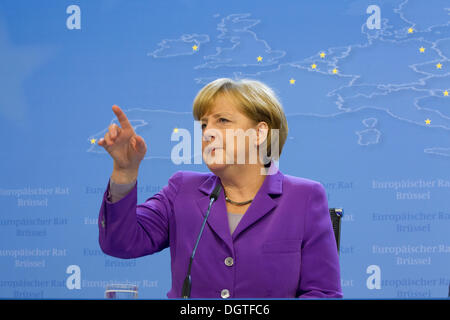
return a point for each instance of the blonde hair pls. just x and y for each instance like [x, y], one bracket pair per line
[254, 99]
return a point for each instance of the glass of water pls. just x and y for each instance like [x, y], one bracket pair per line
[121, 291]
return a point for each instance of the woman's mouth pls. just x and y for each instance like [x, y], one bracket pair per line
[212, 149]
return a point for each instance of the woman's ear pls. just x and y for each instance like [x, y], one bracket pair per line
[262, 131]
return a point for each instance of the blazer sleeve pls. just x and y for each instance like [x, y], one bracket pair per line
[320, 270]
[130, 230]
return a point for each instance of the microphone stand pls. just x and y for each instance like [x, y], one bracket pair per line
[186, 291]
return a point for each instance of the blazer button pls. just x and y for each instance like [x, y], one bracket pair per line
[229, 261]
[225, 293]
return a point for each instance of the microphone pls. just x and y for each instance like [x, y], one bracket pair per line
[186, 291]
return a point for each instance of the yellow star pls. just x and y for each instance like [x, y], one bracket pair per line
[314, 66]
[439, 66]
[195, 47]
[335, 70]
[428, 121]
[422, 49]
[175, 130]
[322, 54]
[292, 81]
[259, 58]
[93, 140]
[410, 30]
[446, 93]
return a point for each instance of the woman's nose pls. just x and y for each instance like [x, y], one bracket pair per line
[209, 134]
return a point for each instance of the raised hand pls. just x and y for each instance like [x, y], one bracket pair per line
[125, 147]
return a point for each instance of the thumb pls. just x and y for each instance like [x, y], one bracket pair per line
[139, 144]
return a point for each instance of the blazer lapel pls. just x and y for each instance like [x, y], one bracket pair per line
[262, 204]
[217, 219]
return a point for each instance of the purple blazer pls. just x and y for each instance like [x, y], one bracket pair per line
[283, 247]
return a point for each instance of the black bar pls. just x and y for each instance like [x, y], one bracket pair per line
[262, 309]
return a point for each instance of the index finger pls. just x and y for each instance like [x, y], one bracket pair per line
[125, 124]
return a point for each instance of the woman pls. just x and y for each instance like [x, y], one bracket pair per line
[267, 234]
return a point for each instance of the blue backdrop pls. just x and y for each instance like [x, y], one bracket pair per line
[365, 91]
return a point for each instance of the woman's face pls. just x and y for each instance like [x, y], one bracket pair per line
[229, 137]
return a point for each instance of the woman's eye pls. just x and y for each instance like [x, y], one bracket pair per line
[222, 120]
